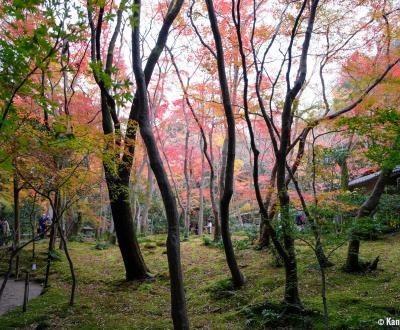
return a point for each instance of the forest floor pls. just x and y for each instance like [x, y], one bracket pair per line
[105, 301]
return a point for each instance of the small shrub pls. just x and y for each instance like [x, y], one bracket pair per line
[207, 241]
[252, 231]
[222, 289]
[269, 316]
[55, 255]
[225, 284]
[101, 246]
[80, 238]
[242, 244]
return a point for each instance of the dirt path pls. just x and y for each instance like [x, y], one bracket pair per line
[13, 294]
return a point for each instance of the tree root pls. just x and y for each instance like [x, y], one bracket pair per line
[362, 267]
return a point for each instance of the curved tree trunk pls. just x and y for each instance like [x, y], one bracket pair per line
[291, 288]
[178, 301]
[237, 277]
[366, 209]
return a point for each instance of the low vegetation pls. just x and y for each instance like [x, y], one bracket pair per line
[105, 300]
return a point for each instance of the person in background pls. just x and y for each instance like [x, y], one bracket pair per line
[4, 231]
[300, 220]
[209, 227]
[43, 221]
[2, 238]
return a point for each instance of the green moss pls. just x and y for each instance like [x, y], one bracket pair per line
[106, 301]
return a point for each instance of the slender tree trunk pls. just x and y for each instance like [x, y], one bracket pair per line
[149, 196]
[201, 196]
[57, 206]
[49, 256]
[178, 301]
[237, 277]
[186, 171]
[17, 223]
[32, 221]
[52, 239]
[291, 288]
[214, 204]
[224, 155]
[319, 251]
[62, 224]
[138, 213]
[71, 267]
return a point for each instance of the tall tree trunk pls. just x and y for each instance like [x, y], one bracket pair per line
[178, 301]
[366, 210]
[17, 222]
[201, 196]
[147, 203]
[291, 288]
[52, 239]
[186, 172]
[71, 265]
[237, 277]
[214, 204]
[116, 170]
[224, 156]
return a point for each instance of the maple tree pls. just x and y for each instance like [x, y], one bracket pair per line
[243, 113]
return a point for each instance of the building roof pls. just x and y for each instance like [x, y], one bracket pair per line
[366, 179]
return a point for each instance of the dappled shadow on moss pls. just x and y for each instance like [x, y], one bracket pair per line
[269, 315]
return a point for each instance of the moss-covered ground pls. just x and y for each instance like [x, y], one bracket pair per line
[105, 301]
